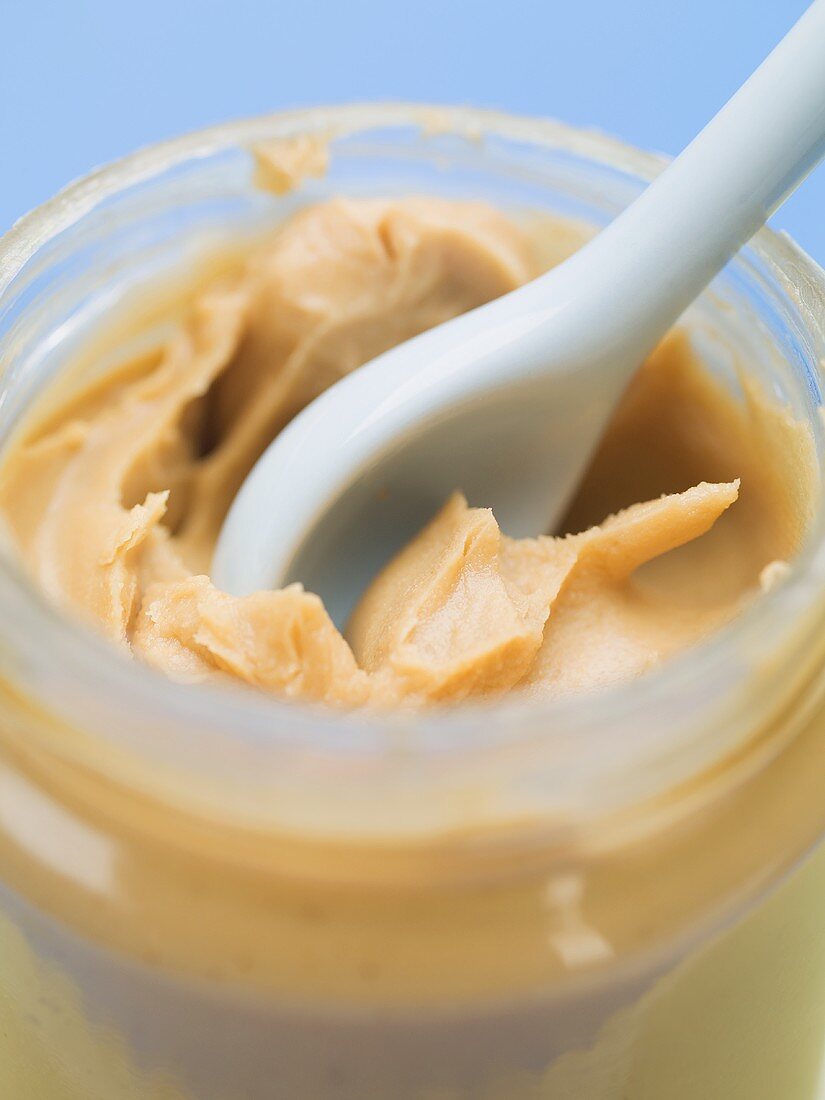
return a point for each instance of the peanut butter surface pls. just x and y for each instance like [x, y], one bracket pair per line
[117, 499]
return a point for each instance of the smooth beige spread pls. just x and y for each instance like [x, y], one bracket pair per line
[116, 500]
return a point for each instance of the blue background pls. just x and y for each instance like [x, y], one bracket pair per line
[84, 81]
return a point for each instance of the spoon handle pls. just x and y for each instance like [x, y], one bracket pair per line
[650, 263]
[507, 401]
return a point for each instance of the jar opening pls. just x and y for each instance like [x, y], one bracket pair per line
[511, 760]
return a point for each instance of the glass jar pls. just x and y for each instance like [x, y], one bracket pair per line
[208, 894]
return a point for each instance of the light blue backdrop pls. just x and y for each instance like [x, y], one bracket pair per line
[84, 81]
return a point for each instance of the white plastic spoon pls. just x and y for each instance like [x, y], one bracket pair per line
[507, 402]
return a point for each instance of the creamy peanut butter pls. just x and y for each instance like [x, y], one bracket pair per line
[116, 500]
[281, 166]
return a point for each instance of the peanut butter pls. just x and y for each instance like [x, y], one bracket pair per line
[116, 501]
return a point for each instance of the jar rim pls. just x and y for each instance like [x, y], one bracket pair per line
[267, 722]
